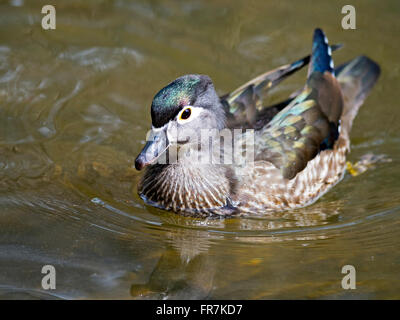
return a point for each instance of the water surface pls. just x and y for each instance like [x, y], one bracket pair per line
[74, 110]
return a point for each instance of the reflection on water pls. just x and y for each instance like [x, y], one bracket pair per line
[74, 110]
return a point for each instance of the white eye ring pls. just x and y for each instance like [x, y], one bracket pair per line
[194, 112]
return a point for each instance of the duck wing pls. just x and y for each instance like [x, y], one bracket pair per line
[309, 123]
[244, 106]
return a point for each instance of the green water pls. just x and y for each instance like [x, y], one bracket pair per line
[74, 110]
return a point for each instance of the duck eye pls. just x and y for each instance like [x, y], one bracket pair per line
[185, 114]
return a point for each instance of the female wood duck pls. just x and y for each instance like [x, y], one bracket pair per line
[300, 145]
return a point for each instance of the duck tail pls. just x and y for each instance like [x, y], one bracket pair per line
[356, 79]
[321, 57]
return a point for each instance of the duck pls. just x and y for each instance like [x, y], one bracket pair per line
[290, 153]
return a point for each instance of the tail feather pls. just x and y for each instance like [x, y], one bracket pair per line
[356, 79]
[321, 57]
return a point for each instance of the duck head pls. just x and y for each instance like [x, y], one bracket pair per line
[179, 112]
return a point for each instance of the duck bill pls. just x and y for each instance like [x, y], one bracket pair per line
[154, 148]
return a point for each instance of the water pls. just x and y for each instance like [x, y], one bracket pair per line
[74, 110]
